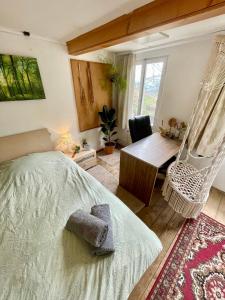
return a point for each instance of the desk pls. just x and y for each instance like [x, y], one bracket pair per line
[139, 164]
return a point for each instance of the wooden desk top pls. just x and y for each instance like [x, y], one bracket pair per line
[154, 149]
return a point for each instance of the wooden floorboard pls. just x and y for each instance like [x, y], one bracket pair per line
[220, 215]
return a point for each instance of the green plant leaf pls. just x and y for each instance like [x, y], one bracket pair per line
[103, 117]
[113, 73]
[104, 130]
[114, 133]
[122, 84]
[112, 113]
[112, 125]
[108, 119]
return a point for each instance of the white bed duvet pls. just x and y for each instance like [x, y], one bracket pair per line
[39, 259]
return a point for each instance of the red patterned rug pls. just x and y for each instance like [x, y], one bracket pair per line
[195, 267]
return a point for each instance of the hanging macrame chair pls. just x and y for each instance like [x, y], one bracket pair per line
[186, 187]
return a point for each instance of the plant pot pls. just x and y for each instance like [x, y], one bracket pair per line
[109, 148]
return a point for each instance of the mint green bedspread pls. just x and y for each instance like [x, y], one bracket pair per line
[39, 259]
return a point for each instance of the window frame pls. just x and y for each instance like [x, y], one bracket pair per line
[143, 63]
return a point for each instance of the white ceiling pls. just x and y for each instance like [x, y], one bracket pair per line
[62, 19]
[194, 30]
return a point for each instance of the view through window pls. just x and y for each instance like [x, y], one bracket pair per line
[148, 77]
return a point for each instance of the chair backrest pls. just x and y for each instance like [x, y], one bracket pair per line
[140, 127]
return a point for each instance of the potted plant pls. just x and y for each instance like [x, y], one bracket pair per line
[85, 144]
[76, 149]
[108, 119]
[113, 74]
[176, 129]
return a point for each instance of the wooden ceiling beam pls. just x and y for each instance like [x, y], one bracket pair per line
[156, 16]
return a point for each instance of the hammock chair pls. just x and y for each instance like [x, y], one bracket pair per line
[186, 187]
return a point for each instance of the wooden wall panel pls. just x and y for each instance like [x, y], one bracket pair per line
[89, 105]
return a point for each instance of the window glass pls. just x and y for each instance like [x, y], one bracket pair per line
[151, 88]
[148, 76]
[137, 86]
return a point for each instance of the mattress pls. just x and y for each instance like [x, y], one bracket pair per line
[39, 258]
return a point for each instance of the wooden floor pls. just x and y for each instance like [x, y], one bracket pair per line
[160, 218]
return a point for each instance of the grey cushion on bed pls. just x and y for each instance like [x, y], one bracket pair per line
[102, 212]
[88, 227]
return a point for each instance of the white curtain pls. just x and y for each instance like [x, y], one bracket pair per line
[124, 98]
[208, 129]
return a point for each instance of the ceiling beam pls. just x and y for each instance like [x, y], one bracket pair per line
[153, 17]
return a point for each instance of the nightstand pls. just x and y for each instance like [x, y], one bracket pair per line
[85, 158]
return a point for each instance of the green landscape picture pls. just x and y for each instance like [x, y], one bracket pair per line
[20, 78]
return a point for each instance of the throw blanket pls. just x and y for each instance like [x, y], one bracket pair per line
[39, 259]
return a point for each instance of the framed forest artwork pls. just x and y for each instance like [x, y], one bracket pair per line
[91, 90]
[20, 78]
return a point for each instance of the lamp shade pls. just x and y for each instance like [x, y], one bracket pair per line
[64, 142]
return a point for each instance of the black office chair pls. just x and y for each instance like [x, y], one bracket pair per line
[140, 127]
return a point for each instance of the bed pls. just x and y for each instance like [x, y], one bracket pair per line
[39, 259]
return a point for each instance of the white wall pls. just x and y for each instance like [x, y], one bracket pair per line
[58, 111]
[185, 68]
[219, 182]
[96, 56]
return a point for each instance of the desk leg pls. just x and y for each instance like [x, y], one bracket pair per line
[137, 177]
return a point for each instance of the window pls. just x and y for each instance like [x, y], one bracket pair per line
[148, 79]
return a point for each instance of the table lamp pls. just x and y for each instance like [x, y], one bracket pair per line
[65, 142]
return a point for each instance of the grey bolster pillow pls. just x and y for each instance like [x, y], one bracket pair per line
[102, 212]
[88, 227]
